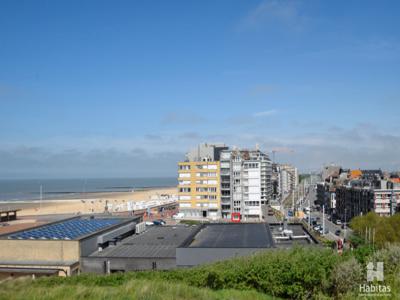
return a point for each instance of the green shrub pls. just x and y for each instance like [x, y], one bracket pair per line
[346, 276]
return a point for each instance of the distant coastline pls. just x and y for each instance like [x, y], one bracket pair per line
[28, 190]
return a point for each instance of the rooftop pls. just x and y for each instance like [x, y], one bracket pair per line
[244, 235]
[70, 229]
[157, 241]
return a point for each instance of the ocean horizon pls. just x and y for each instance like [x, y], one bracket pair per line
[29, 189]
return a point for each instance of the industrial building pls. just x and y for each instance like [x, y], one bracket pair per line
[154, 249]
[216, 242]
[169, 247]
[107, 244]
[56, 248]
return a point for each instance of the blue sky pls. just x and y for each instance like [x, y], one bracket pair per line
[124, 88]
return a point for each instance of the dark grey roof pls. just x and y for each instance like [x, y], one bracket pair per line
[157, 241]
[37, 262]
[29, 270]
[233, 236]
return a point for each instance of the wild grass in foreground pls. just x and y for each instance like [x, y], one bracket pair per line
[132, 289]
[299, 273]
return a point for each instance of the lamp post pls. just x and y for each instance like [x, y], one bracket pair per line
[345, 222]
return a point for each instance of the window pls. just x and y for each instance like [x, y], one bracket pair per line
[184, 167]
[184, 182]
[184, 190]
[154, 265]
[184, 175]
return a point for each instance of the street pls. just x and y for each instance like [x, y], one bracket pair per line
[330, 226]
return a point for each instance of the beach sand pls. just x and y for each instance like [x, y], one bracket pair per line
[95, 203]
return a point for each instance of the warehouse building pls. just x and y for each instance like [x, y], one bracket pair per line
[215, 242]
[169, 247]
[154, 249]
[56, 248]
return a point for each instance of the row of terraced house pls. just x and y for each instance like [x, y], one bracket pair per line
[350, 193]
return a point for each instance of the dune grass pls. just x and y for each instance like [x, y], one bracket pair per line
[133, 289]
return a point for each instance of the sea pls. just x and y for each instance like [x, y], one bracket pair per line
[29, 189]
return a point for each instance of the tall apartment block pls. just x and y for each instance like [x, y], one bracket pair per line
[246, 185]
[284, 180]
[288, 179]
[199, 188]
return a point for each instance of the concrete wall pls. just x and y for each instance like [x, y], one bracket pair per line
[186, 257]
[97, 264]
[89, 245]
[39, 250]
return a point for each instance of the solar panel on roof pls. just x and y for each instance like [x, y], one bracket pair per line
[68, 230]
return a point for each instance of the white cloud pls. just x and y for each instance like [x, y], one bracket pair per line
[265, 113]
[272, 13]
[362, 146]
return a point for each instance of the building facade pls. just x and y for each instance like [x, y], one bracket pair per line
[288, 180]
[199, 187]
[246, 183]
[355, 201]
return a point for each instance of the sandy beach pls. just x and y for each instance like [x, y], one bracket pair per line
[96, 202]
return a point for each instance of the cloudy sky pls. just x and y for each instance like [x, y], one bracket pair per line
[125, 88]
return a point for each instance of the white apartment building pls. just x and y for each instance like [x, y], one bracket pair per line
[246, 185]
[288, 180]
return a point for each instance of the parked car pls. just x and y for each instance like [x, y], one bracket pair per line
[178, 216]
[159, 222]
[317, 228]
[338, 222]
[344, 225]
[337, 232]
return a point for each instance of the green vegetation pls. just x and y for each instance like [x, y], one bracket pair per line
[304, 177]
[377, 231]
[299, 273]
[132, 289]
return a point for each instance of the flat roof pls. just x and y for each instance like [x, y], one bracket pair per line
[29, 270]
[156, 241]
[243, 235]
[9, 210]
[69, 229]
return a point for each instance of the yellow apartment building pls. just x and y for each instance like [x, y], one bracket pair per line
[199, 189]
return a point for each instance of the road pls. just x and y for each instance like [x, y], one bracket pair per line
[330, 226]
